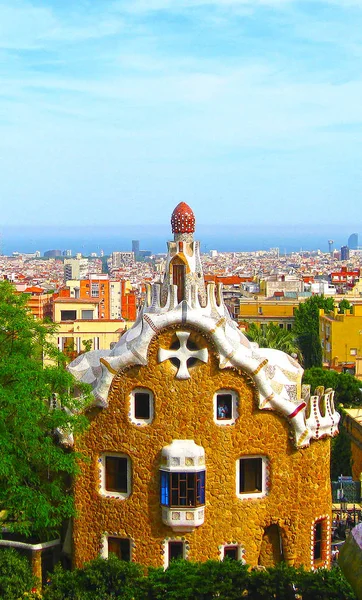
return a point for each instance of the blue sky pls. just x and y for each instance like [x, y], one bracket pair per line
[113, 111]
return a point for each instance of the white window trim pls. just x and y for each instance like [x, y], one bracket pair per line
[240, 549]
[185, 548]
[234, 407]
[102, 476]
[264, 478]
[134, 420]
[104, 543]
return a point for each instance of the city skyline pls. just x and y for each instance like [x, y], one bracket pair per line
[248, 111]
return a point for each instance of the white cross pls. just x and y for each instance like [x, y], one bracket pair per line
[183, 353]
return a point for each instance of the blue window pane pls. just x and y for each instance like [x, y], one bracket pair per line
[165, 486]
[201, 487]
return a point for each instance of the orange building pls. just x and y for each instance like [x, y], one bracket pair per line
[202, 445]
[39, 302]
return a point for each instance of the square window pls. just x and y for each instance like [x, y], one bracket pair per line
[251, 477]
[175, 551]
[142, 405]
[116, 474]
[251, 470]
[121, 547]
[353, 351]
[223, 406]
[231, 552]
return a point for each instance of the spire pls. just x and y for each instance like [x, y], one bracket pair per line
[183, 219]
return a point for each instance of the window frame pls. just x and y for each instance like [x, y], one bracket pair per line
[167, 487]
[105, 545]
[166, 549]
[109, 493]
[240, 551]
[323, 542]
[132, 413]
[234, 406]
[264, 477]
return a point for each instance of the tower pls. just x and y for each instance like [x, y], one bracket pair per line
[203, 445]
[353, 241]
[330, 246]
[136, 248]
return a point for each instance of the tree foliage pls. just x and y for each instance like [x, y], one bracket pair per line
[341, 454]
[34, 491]
[347, 388]
[184, 580]
[272, 336]
[344, 305]
[16, 577]
[306, 327]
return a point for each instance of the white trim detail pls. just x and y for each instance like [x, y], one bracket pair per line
[234, 407]
[102, 476]
[151, 400]
[240, 551]
[27, 546]
[264, 478]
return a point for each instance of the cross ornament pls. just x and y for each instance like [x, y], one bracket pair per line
[183, 353]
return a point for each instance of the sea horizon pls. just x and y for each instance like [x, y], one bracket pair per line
[223, 238]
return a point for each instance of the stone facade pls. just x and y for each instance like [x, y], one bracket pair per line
[267, 491]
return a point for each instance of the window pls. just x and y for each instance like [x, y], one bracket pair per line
[289, 327]
[95, 290]
[317, 549]
[87, 314]
[281, 325]
[321, 534]
[141, 406]
[182, 489]
[115, 475]
[251, 476]
[231, 552]
[121, 547]
[353, 351]
[225, 407]
[175, 550]
[68, 315]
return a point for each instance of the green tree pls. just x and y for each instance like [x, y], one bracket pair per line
[35, 495]
[347, 388]
[306, 327]
[16, 577]
[341, 454]
[344, 305]
[272, 336]
[99, 580]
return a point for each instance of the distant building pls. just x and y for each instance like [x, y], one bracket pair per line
[280, 283]
[344, 253]
[67, 253]
[76, 268]
[136, 248]
[52, 253]
[121, 259]
[353, 241]
[341, 339]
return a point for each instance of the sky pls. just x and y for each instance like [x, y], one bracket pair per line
[114, 111]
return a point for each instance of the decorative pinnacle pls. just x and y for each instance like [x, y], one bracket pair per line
[183, 219]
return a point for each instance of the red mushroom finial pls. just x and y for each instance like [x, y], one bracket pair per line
[183, 219]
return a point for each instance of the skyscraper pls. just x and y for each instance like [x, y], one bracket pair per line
[344, 253]
[136, 248]
[353, 241]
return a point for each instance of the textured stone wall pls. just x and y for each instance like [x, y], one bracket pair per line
[299, 486]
